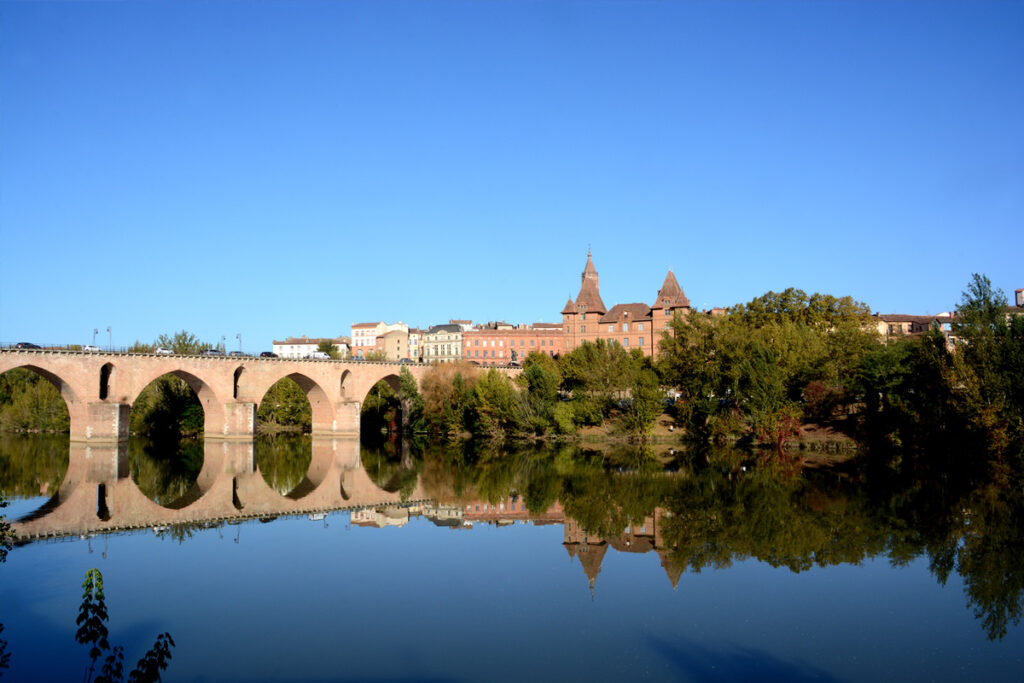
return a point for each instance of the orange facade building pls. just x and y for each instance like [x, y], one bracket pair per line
[634, 326]
[501, 343]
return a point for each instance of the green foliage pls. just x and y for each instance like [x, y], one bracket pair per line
[600, 371]
[92, 631]
[29, 402]
[328, 347]
[381, 408]
[284, 460]
[32, 465]
[166, 410]
[92, 617]
[748, 373]
[166, 471]
[411, 401]
[286, 405]
[6, 535]
[183, 343]
[644, 405]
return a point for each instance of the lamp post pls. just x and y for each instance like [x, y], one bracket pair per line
[94, 333]
[239, 338]
[110, 339]
[222, 346]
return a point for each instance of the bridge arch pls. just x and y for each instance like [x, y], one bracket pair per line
[76, 409]
[213, 409]
[320, 405]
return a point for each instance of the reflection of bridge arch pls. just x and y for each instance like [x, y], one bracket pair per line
[231, 487]
[99, 388]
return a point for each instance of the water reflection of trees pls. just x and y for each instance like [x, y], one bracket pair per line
[32, 465]
[711, 508]
[392, 466]
[165, 471]
[717, 508]
[284, 460]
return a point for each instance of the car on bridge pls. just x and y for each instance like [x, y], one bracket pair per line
[213, 352]
[238, 354]
[26, 345]
[268, 354]
[161, 351]
[91, 348]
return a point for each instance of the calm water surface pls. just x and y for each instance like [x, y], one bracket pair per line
[324, 560]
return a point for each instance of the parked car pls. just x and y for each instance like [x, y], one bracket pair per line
[26, 345]
[268, 354]
[319, 355]
[213, 352]
[91, 348]
[161, 351]
[405, 360]
[237, 353]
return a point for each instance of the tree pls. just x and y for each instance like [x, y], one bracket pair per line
[328, 347]
[92, 631]
[182, 343]
[411, 401]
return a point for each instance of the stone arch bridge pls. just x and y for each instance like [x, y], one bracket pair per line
[100, 388]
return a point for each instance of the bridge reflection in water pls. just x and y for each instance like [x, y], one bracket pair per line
[98, 495]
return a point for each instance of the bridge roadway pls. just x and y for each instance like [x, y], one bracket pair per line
[99, 388]
[98, 495]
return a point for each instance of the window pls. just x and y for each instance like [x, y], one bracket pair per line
[501, 354]
[625, 341]
[543, 343]
[531, 342]
[641, 341]
[501, 342]
[477, 354]
[625, 327]
[584, 316]
[611, 329]
[583, 329]
[640, 327]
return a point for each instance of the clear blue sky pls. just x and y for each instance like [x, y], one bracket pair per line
[288, 168]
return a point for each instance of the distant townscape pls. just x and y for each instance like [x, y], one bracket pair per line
[587, 319]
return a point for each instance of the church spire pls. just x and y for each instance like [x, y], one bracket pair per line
[589, 298]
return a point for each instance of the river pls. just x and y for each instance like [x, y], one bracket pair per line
[295, 559]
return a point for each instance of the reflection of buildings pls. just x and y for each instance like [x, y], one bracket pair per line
[380, 517]
[642, 537]
[636, 538]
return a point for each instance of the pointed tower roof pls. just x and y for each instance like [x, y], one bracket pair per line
[672, 569]
[589, 298]
[671, 294]
[590, 556]
[569, 308]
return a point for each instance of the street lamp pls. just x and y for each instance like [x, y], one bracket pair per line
[94, 333]
[239, 338]
[110, 339]
[222, 346]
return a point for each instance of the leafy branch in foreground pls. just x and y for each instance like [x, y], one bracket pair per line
[92, 631]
